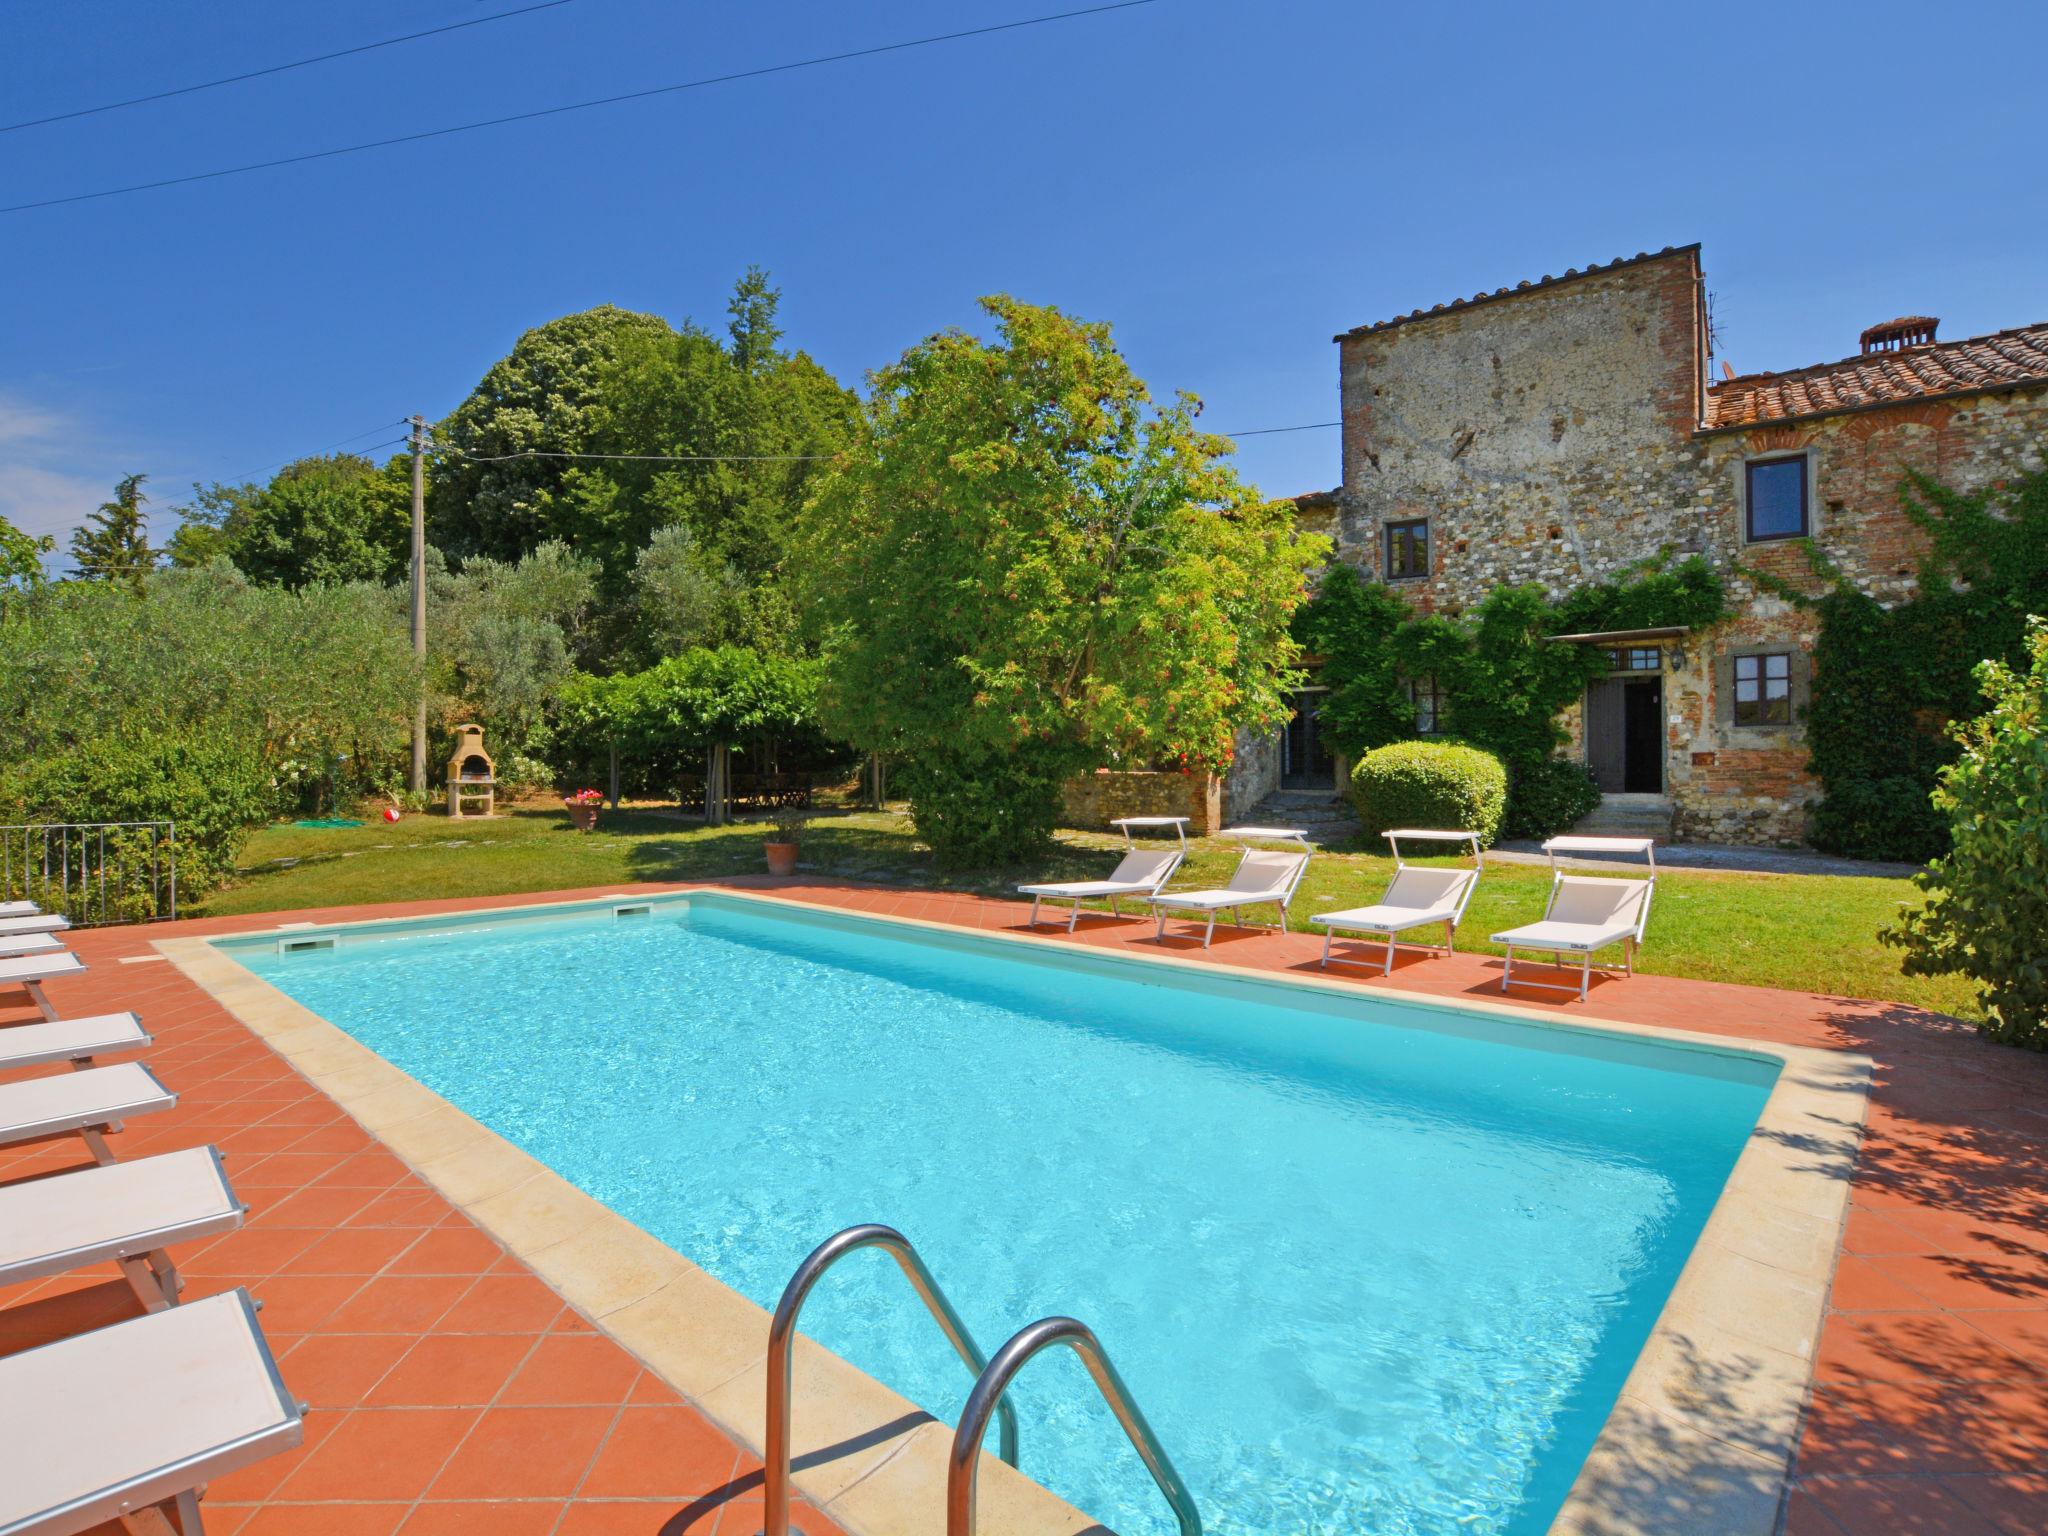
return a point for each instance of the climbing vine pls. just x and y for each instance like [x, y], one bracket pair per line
[1889, 681]
[1504, 686]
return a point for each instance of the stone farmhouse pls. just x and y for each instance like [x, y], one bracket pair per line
[1568, 427]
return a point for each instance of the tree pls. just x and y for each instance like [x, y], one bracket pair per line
[683, 598]
[1987, 898]
[334, 518]
[201, 536]
[114, 543]
[504, 634]
[1022, 570]
[687, 712]
[753, 328]
[546, 396]
[750, 429]
[21, 556]
[295, 675]
[725, 442]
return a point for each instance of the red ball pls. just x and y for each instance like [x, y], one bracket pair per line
[391, 813]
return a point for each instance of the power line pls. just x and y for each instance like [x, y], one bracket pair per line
[639, 458]
[579, 106]
[382, 426]
[276, 69]
[749, 458]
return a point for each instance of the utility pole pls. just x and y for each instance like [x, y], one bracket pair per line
[419, 600]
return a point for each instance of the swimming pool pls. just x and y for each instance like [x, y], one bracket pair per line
[1366, 1265]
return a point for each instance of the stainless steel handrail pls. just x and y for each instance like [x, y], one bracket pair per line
[782, 1350]
[964, 1462]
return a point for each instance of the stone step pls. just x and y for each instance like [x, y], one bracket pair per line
[1324, 818]
[1629, 816]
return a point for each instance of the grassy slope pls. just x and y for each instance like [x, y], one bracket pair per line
[1807, 932]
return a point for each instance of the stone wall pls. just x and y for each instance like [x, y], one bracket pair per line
[1547, 436]
[1254, 774]
[1553, 436]
[1094, 800]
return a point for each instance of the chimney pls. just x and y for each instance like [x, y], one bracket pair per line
[1897, 335]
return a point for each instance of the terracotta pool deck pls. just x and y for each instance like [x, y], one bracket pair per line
[453, 1391]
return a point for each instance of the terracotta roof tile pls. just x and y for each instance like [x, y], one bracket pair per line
[2003, 360]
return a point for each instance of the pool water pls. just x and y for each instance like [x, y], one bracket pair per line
[1367, 1267]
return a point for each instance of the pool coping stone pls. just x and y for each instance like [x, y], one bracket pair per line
[1702, 1435]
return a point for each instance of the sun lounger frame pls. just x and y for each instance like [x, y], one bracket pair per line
[1585, 952]
[1332, 922]
[143, 1255]
[1078, 891]
[29, 972]
[1167, 902]
[136, 1495]
[78, 1041]
[92, 1123]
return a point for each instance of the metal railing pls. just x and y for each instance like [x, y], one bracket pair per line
[93, 872]
[782, 1349]
[963, 1463]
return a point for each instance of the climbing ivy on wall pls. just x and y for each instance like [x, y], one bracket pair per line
[1887, 681]
[1505, 685]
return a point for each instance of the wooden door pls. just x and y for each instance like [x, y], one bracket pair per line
[1606, 737]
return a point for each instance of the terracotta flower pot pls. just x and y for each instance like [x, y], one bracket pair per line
[584, 816]
[781, 858]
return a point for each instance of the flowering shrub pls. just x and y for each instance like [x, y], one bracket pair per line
[583, 797]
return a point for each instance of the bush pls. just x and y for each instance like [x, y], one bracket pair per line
[1890, 818]
[984, 813]
[1987, 900]
[520, 775]
[1549, 797]
[1430, 784]
[213, 786]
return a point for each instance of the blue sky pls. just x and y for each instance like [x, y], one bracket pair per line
[1228, 184]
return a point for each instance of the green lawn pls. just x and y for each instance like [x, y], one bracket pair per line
[1808, 932]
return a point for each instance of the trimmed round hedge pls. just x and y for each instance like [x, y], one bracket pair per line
[1430, 784]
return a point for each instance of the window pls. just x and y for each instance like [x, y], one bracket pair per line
[1636, 658]
[1431, 708]
[1774, 498]
[1763, 689]
[1408, 550]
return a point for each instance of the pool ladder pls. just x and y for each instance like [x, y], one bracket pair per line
[992, 1378]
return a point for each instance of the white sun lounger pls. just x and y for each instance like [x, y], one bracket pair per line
[1414, 898]
[77, 1041]
[127, 1214]
[115, 1423]
[1262, 876]
[18, 909]
[1586, 913]
[37, 922]
[29, 972]
[1141, 871]
[90, 1102]
[12, 944]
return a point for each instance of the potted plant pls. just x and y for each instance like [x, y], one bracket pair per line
[583, 808]
[789, 823]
